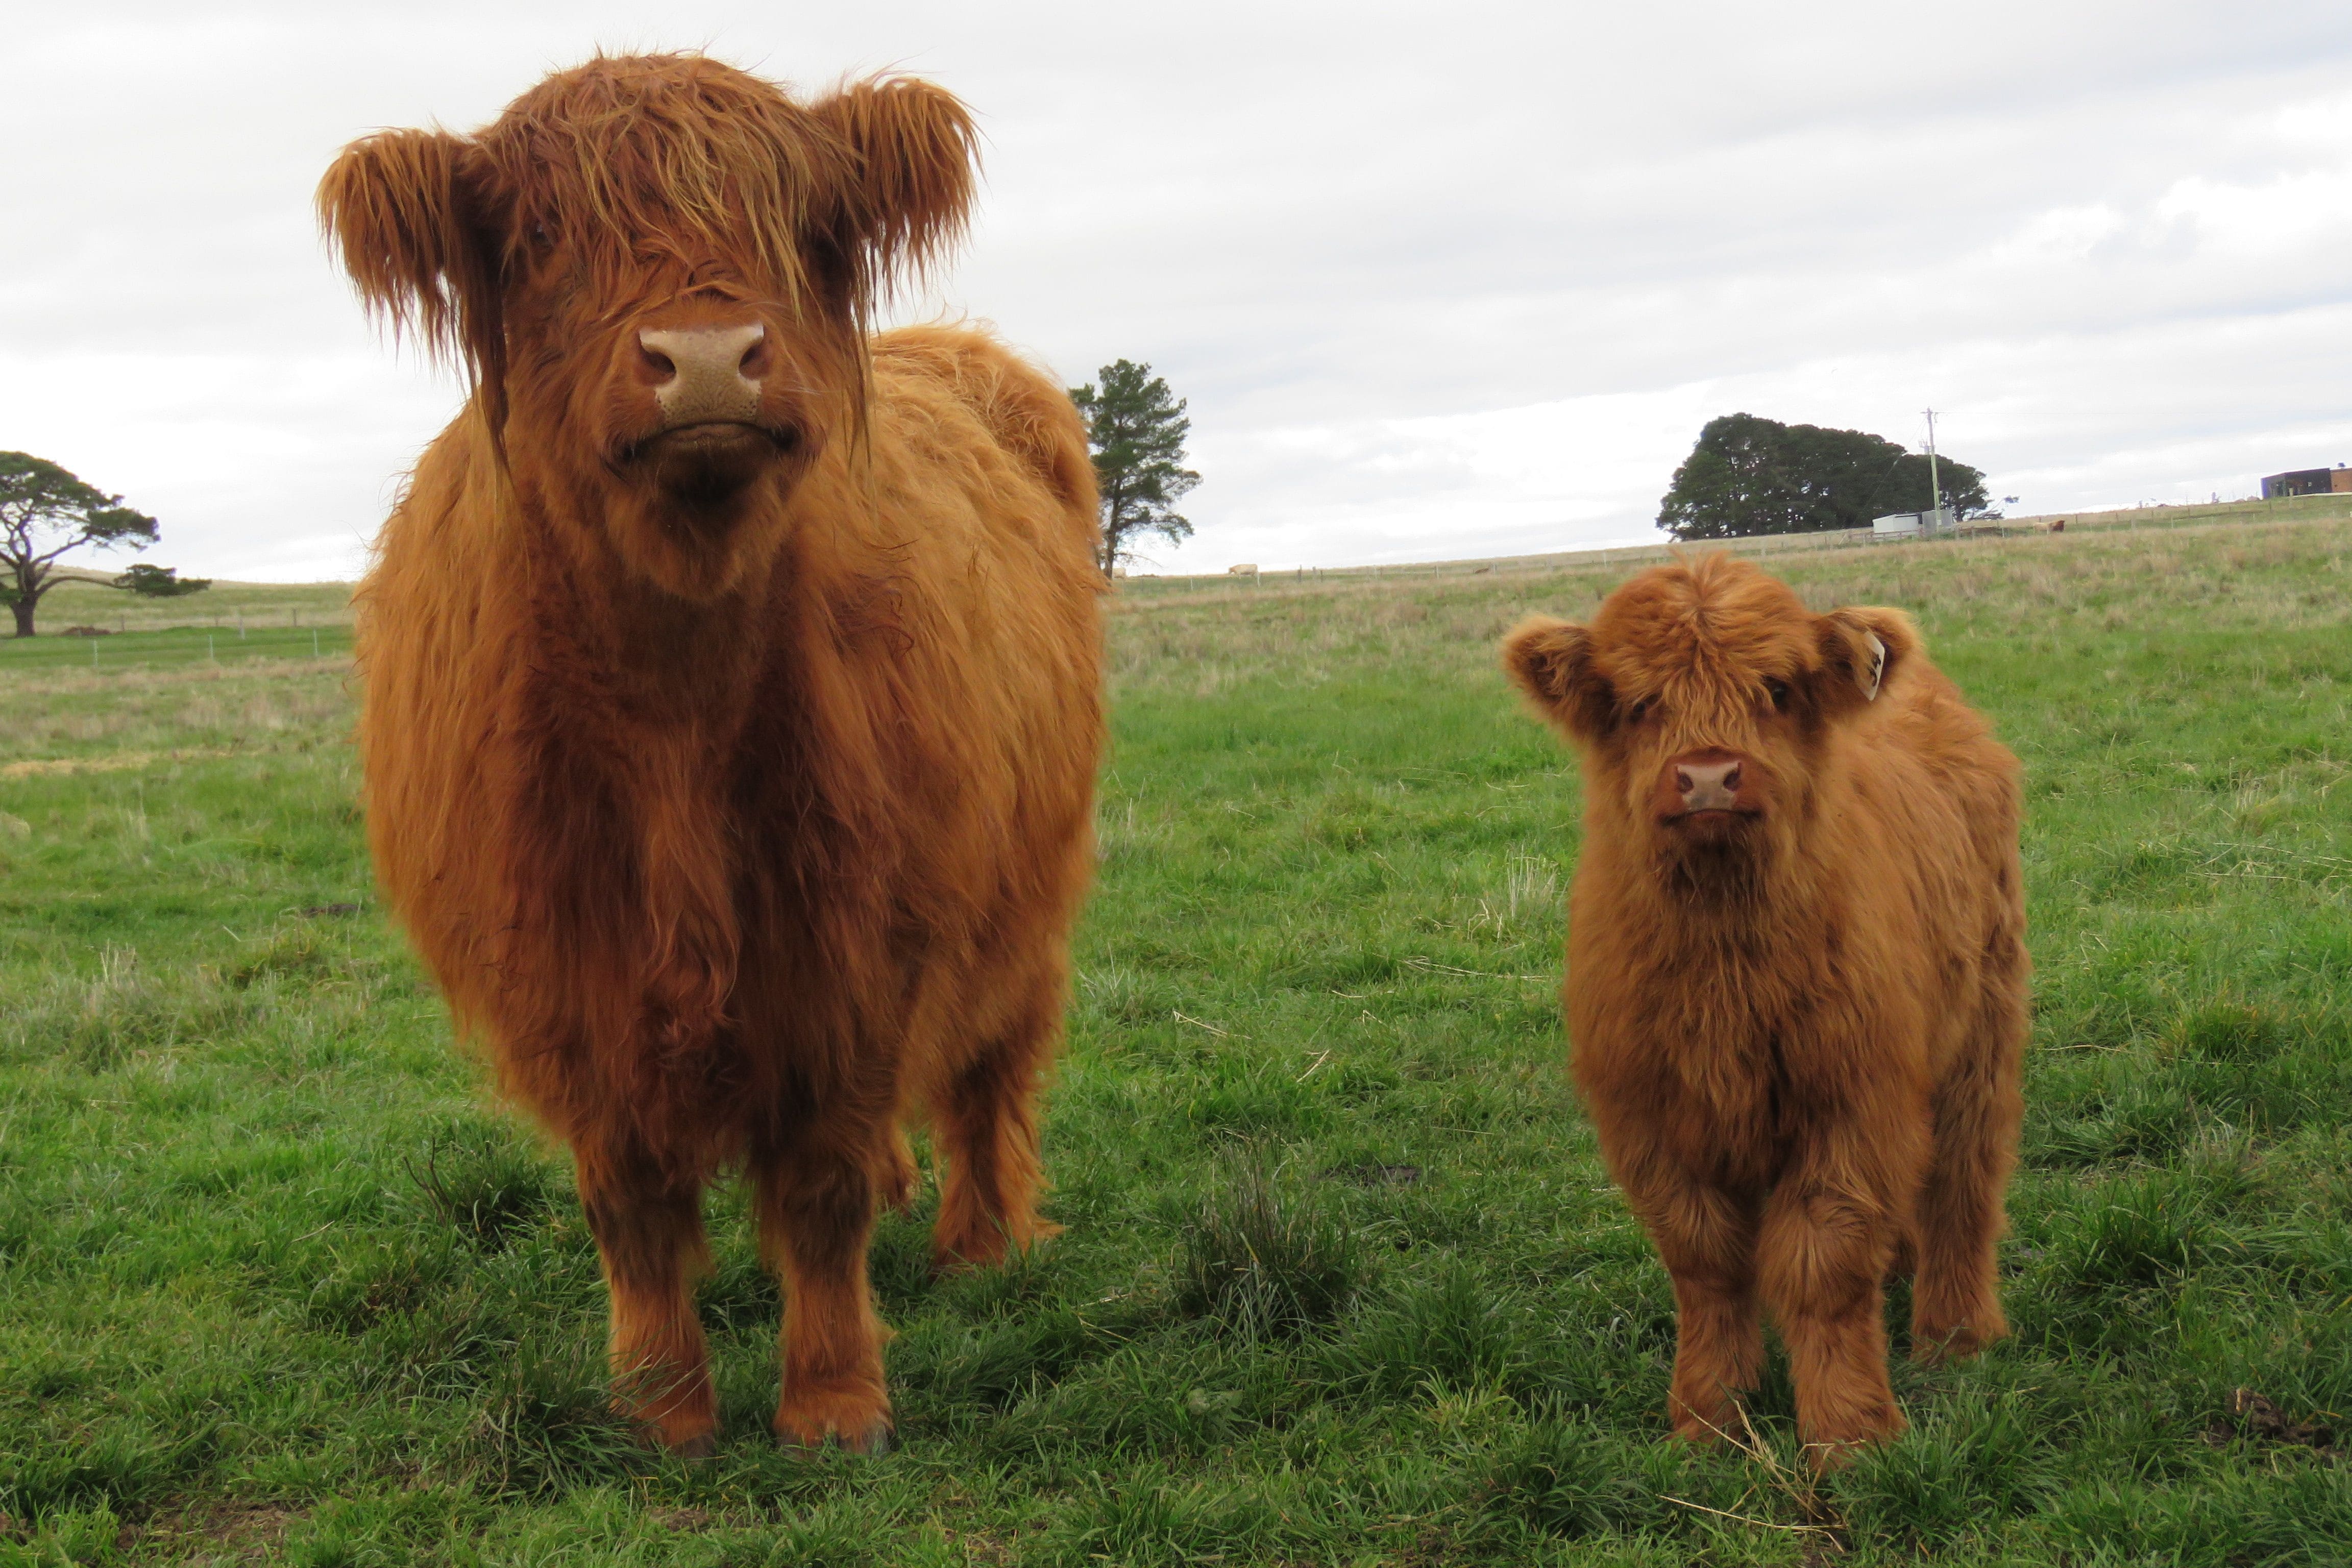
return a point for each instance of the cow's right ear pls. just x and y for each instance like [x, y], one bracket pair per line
[403, 209]
[1551, 661]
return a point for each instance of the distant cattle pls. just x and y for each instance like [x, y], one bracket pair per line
[1796, 985]
[1248, 569]
[731, 683]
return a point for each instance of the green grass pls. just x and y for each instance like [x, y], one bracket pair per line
[1343, 1281]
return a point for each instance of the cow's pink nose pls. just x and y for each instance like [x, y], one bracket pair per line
[704, 374]
[1708, 786]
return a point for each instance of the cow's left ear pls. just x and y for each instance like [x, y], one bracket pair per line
[1865, 644]
[915, 152]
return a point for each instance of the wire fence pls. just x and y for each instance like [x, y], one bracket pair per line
[177, 648]
[2131, 519]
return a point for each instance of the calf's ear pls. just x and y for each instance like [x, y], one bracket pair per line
[1551, 661]
[403, 209]
[1862, 648]
[914, 151]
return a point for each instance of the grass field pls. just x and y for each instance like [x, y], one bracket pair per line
[1343, 1281]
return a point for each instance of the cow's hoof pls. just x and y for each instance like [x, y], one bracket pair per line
[855, 1419]
[697, 1447]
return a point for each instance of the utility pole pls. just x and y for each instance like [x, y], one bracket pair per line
[1935, 486]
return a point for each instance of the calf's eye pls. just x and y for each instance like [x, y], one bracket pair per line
[1778, 691]
[1638, 712]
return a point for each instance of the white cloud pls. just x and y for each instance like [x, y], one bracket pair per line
[1437, 280]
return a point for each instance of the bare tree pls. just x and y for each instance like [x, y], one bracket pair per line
[45, 512]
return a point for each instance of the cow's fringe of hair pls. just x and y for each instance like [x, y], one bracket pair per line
[876, 180]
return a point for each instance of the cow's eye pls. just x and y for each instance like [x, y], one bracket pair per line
[1637, 711]
[1778, 691]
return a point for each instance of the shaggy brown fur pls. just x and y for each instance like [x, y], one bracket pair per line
[734, 774]
[1796, 975]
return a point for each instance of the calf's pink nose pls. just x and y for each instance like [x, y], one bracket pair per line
[1708, 786]
[704, 374]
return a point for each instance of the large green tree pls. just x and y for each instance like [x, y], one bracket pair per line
[1135, 428]
[1748, 476]
[45, 512]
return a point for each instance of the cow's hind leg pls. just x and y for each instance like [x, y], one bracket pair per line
[816, 1201]
[648, 1231]
[1955, 1292]
[984, 1122]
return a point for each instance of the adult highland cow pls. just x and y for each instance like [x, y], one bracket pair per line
[1796, 975]
[731, 683]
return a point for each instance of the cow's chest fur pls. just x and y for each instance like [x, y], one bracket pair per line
[645, 863]
[1720, 1042]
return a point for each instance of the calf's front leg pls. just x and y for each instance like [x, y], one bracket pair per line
[1822, 1256]
[648, 1231]
[815, 1201]
[1705, 1236]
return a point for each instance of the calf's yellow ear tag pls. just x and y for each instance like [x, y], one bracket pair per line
[1877, 666]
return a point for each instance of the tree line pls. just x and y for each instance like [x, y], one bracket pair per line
[1750, 476]
[1746, 476]
[1136, 431]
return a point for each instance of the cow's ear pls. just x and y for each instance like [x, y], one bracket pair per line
[914, 153]
[404, 209]
[1862, 648]
[1551, 661]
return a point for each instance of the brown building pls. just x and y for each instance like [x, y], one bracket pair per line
[2336, 481]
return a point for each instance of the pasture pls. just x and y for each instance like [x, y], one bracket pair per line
[1342, 1280]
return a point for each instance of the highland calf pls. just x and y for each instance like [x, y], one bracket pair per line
[1796, 985]
[732, 680]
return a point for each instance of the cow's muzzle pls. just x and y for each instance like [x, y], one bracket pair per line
[706, 375]
[1711, 789]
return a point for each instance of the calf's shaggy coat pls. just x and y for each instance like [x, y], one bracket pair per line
[731, 683]
[1796, 984]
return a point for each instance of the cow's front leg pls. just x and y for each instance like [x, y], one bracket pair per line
[648, 1231]
[816, 1201]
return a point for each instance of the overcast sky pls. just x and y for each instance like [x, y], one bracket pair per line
[1438, 280]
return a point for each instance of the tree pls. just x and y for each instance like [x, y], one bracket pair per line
[44, 512]
[157, 582]
[1137, 429]
[1748, 476]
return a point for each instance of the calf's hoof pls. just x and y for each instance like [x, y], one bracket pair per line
[984, 1246]
[1833, 1448]
[1706, 1428]
[1932, 1346]
[857, 1417]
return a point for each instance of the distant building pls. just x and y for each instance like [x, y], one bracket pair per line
[2336, 481]
[1912, 524]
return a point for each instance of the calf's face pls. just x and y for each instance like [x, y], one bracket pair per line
[1703, 699]
[658, 271]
